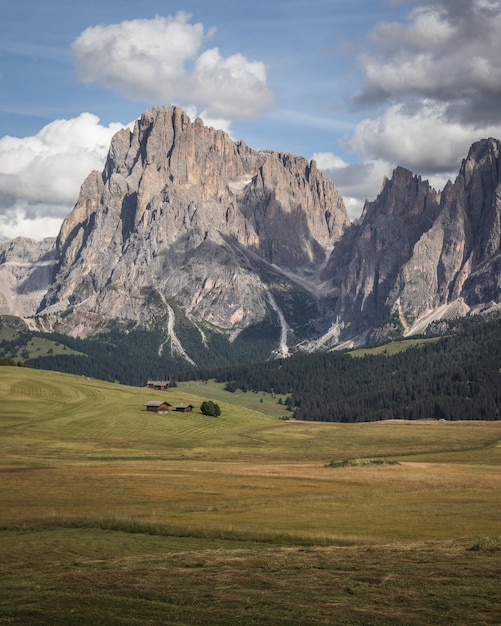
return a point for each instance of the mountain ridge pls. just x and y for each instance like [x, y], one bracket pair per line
[184, 221]
[175, 194]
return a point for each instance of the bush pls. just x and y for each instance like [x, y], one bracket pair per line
[210, 408]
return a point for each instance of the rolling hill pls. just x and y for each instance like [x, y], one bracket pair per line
[115, 515]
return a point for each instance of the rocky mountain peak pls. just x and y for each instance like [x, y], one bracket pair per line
[176, 206]
[365, 266]
[417, 255]
[185, 227]
[483, 153]
[26, 269]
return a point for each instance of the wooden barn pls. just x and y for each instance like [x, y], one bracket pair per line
[158, 406]
[184, 408]
[159, 385]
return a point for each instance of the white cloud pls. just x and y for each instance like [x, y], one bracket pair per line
[435, 79]
[425, 28]
[41, 175]
[156, 60]
[218, 123]
[447, 51]
[232, 87]
[18, 224]
[140, 58]
[419, 137]
[356, 182]
[329, 161]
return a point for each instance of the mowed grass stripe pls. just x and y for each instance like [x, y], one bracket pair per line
[107, 415]
[66, 408]
[111, 514]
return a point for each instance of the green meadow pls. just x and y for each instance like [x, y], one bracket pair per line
[12, 329]
[393, 347]
[110, 514]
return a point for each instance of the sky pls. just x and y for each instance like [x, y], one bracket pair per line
[361, 86]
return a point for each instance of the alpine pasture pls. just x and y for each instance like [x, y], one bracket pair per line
[112, 514]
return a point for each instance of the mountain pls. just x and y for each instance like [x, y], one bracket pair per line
[203, 241]
[417, 255]
[182, 216]
[26, 269]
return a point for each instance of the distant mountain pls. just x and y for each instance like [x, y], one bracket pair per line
[417, 255]
[204, 241]
[26, 270]
[182, 217]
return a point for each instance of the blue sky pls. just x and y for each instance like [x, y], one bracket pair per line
[361, 86]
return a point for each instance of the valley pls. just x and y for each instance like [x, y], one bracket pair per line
[335, 487]
[185, 518]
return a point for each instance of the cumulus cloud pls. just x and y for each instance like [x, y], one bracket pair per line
[218, 123]
[160, 60]
[435, 81]
[420, 137]
[232, 87]
[447, 51]
[356, 182]
[41, 175]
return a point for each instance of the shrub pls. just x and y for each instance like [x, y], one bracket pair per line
[208, 407]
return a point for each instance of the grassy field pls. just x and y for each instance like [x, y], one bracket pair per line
[10, 329]
[115, 515]
[394, 347]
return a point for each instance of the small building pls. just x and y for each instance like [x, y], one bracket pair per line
[158, 406]
[184, 408]
[160, 385]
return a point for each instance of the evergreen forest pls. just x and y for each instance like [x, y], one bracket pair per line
[455, 377]
[133, 355]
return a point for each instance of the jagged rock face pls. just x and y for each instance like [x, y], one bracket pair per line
[458, 258]
[416, 253]
[480, 185]
[366, 264]
[26, 268]
[183, 209]
[184, 219]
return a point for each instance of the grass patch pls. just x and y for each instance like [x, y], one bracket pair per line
[72, 576]
[487, 544]
[361, 462]
[39, 346]
[115, 515]
[262, 402]
[21, 344]
[394, 347]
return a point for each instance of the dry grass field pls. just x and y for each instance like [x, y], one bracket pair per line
[114, 515]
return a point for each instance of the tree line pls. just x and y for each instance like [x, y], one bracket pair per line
[133, 356]
[457, 377]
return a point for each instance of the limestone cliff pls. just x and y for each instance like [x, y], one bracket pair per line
[416, 255]
[185, 211]
[186, 226]
[26, 268]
